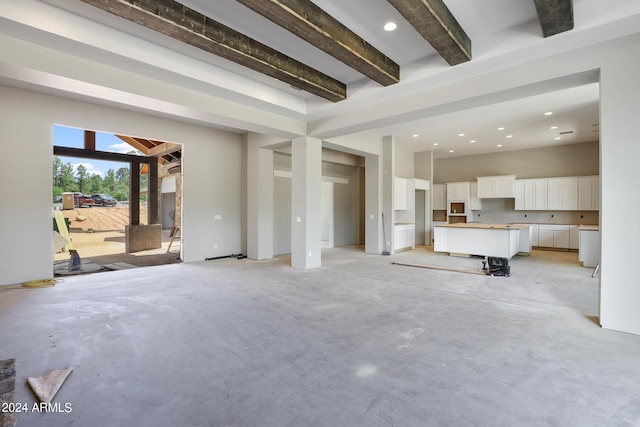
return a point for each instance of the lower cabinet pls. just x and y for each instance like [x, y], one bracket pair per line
[404, 236]
[554, 236]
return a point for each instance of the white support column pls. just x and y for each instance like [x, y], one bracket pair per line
[388, 152]
[373, 184]
[259, 200]
[619, 154]
[306, 193]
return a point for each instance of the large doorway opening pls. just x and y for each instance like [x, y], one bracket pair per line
[111, 195]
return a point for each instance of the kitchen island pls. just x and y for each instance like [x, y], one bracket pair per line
[495, 240]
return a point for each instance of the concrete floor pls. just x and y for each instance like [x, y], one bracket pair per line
[359, 342]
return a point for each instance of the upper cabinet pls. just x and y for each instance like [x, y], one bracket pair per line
[589, 193]
[439, 197]
[400, 194]
[476, 203]
[531, 194]
[458, 191]
[558, 194]
[493, 187]
[562, 194]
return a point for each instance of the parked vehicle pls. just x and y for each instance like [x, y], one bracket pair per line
[103, 200]
[82, 201]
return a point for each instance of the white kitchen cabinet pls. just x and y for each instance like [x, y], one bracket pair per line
[530, 194]
[519, 194]
[589, 193]
[554, 194]
[574, 237]
[589, 251]
[434, 226]
[404, 236]
[553, 236]
[502, 186]
[476, 202]
[541, 194]
[545, 238]
[562, 194]
[400, 194]
[458, 191]
[439, 197]
[533, 233]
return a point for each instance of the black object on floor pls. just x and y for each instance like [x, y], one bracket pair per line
[498, 267]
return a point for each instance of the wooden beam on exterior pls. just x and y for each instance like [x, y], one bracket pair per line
[164, 149]
[89, 140]
[100, 155]
[135, 144]
[153, 212]
[317, 27]
[134, 194]
[555, 16]
[433, 20]
[184, 24]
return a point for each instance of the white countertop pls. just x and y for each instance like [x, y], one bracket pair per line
[485, 226]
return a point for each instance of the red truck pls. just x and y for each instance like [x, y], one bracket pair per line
[82, 201]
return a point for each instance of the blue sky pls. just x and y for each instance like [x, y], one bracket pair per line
[74, 138]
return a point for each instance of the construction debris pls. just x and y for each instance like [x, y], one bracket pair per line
[46, 386]
[7, 392]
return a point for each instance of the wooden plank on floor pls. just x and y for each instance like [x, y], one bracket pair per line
[119, 266]
[433, 267]
[62, 228]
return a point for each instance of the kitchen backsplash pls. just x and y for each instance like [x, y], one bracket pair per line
[502, 211]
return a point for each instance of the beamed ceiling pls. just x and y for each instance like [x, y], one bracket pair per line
[431, 19]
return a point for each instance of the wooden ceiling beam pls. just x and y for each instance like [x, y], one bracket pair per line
[164, 149]
[317, 27]
[433, 20]
[186, 25]
[555, 16]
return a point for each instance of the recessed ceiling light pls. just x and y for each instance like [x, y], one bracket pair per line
[558, 138]
[390, 26]
[509, 136]
[553, 127]
[451, 151]
[461, 134]
[473, 141]
[435, 143]
[415, 135]
[499, 145]
[500, 128]
[548, 113]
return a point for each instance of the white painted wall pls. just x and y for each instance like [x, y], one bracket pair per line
[211, 168]
[620, 152]
[562, 160]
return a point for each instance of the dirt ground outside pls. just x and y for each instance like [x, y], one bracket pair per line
[97, 234]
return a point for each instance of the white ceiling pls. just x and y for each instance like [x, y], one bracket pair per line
[496, 27]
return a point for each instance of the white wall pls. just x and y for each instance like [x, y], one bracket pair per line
[211, 169]
[562, 160]
[620, 152]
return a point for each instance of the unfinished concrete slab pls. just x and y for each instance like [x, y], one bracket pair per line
[357, 342]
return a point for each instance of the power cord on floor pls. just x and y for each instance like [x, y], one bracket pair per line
[40, 283]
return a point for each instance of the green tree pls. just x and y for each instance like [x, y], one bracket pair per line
[109, 182]
[95, 185]
[122, 175]
[81, 178]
